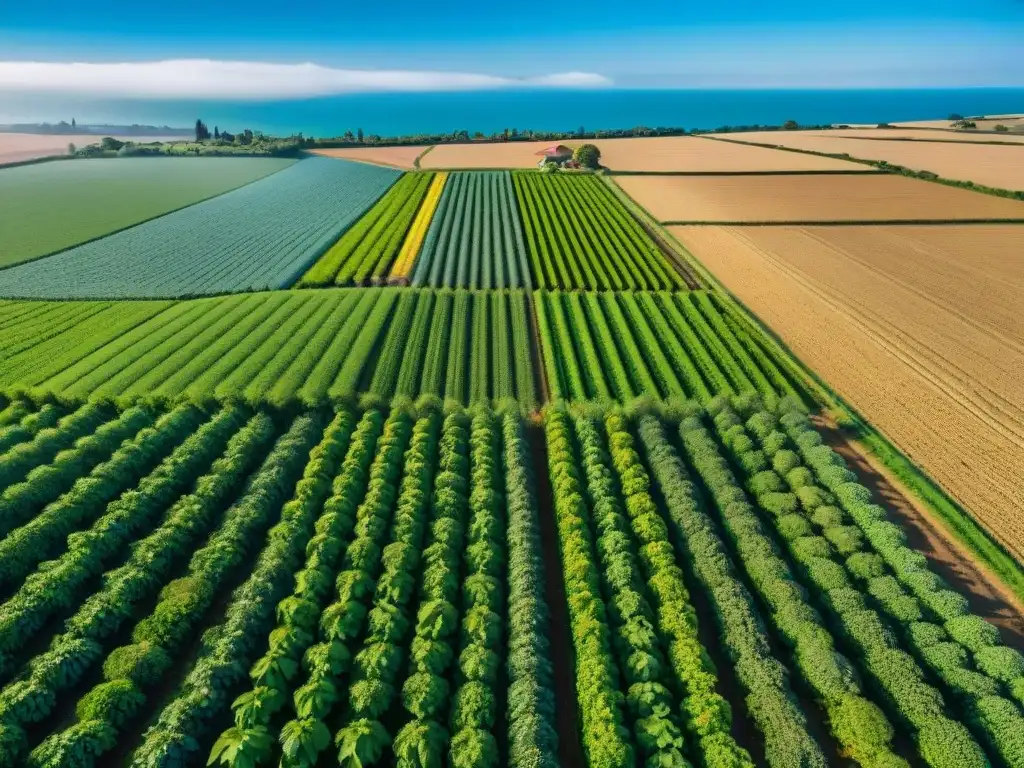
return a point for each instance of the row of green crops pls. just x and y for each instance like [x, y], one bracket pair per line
[384, 586]
[261, 236]
[369, 587]
[367, 250]
[284, 348]
[581, 237]
[475, 239]
[619, 346]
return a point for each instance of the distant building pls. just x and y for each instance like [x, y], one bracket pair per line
[559, 153]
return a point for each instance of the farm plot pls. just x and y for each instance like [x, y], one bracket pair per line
[263, 235]
[394, 157]
[48, 207]
[283, 348]
[475, 239]
[485, 155]
[187, 544]
[918, 328]
[368, 249]
[991, 165]
[693, 154]
[581, 237]
[621, 346]
[816, 198]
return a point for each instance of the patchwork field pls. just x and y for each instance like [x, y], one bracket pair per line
[917, 134]
[692, 154]
[917, 327]
[263, 235]
[286, 348]
[475, 239]
[395, 157]
[18, 147]
[584, 526]
[97, 197]
[991, 165]
[580, 236]
[835, 197]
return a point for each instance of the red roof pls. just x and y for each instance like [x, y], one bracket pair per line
[557, 149]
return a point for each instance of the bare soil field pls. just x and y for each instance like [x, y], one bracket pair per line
[919, 134]
[988, 164]
[17, 147]
[693, 154]
[822, 197]
[393, 157]
[511, 154]
[917, 327]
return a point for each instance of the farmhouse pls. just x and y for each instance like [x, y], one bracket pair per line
[558, 153]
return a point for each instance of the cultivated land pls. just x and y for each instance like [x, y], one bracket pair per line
[408, 527]
[512, 154]
[692, 154]
[475, 239]
[47, 207]
[918, 134]
[917, 327]
[987, 123]
[988, 164]
[18, 147]
[836, 197]
[396, 157]
[263, 235]
[580, 236]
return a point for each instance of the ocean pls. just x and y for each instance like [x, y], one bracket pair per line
[390, 114]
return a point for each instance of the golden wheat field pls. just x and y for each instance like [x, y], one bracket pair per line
[921, 134]
[693, 154]
[986, 123]
[809, 198]
[919, 328]
[396, 157]
[511, 154]
[988, 164]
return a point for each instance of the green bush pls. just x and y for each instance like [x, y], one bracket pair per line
[793, 527]
[784, 461]
[865, 565]
[800, 477]
[924, 634]
[114, 702]
[142, 663]
[847, 539]
[973, 632]
[1001, 663]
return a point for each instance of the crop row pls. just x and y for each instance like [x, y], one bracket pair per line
[282, 348]
[402, 267]
[386, 596]
[367, 250]
[261, 236]
[475, 239]
[581, 237]
[620, 346]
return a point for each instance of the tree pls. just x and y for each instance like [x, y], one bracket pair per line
[790, 125]
[359, 135]
[110, 143]
[1002, 128]
[954, 117]
[964, 124]
[71, 149]
[587, 156]
[72, 122]
[202, 132]
[216, 132]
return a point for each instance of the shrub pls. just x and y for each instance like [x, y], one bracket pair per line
[793, 527]
[999, 662]
[142, 663]
[865, 565]
[113, 702]
[973, 632]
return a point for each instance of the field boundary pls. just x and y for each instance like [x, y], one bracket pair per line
[130, 226]
[950, 515]
[416, 160]
[922, 174]
[836, 222]
[854, 172]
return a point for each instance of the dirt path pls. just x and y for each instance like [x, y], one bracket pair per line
[987, 596]
[570, 752]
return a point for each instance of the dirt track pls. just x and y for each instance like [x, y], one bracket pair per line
[937, 370]
[988, 598]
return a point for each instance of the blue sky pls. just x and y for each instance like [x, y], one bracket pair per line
[656, 43]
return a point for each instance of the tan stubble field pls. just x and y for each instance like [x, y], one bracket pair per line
[919, 328]
[393, 157]
[805, 198]
[18, 147]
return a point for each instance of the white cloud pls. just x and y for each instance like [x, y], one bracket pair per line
[209, 79]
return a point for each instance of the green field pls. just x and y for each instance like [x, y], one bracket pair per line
[52, 206]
